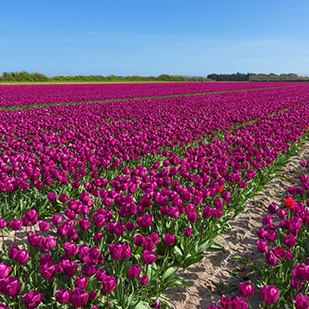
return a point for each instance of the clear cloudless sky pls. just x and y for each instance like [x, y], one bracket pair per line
[151, 37]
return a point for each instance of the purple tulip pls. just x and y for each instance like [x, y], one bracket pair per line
[116, 251]
[22, 256]
[9, 286]
[148, 257]
[97, 236]
[299, 271]
[101, 274]
[154, 237]
[84, 223]
[188, 232]
[69, 268]
[143, 280]
[295, 284]
[126, 250]
[48, 270]
[51, 196]
[81, 282]
[270, 294]
[130, 226]
[89, 269]
[301, 302]
[270, 258]
[4, 270]
[56, 219]
[32, 299]
[273, 208]
[79, 298]
[62, 296]
[13, 251]
[109, 283]
[169, 239]
[261, 233]
[35, 240]
[92, 295]
[72, 234]
[155, 304]
[262, 246]
[70, 248]
[49, 242]
[289, 240]
[245, 289]
[225, 302]
[139, 240]
[16, 224]
[2, 223]
[239, 303]
[134, 271]
[280, 252]
[63, 198]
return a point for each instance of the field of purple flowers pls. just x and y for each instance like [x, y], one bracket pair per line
[126, 192]
[24, 95]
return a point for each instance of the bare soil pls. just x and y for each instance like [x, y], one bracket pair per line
[212, 277]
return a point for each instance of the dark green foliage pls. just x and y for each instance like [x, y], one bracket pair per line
[166, 78]
[23, 76]
[230, 77]
[252, 77]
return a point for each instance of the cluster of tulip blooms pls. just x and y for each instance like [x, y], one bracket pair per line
[130, 207]
[21, 95]
[284, 253]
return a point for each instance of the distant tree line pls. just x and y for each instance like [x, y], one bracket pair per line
[23, 76]
[257, 77]
[279, 78]
[238, 77]
[39, 77]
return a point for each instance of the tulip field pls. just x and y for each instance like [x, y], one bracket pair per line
[25, 95]
[115, 197]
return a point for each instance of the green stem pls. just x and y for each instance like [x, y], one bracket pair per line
[50, 294]
[164, 258]
[203, 229]
[125, 273]
[3, 240]
[6, 204]
[262, 264]
[116, 279]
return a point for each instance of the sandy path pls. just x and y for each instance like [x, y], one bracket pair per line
[240, 241]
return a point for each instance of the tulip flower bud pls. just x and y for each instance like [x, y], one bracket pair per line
[188, 232]
[270, 258]
[81, 282]
[2, 223]
[4, 270]
[143, 280]
[109, 283]
[169, 239]
[32, 299]
[134, 271]
[301, 301]
[225, 302]
[245, 289]
[148, 257]
[270, 294]
[79, 298]
[295, 284]
[62, 296]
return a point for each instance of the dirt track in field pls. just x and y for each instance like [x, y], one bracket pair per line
[204, 276]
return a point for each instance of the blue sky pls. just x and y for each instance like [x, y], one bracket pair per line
[147, 37]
